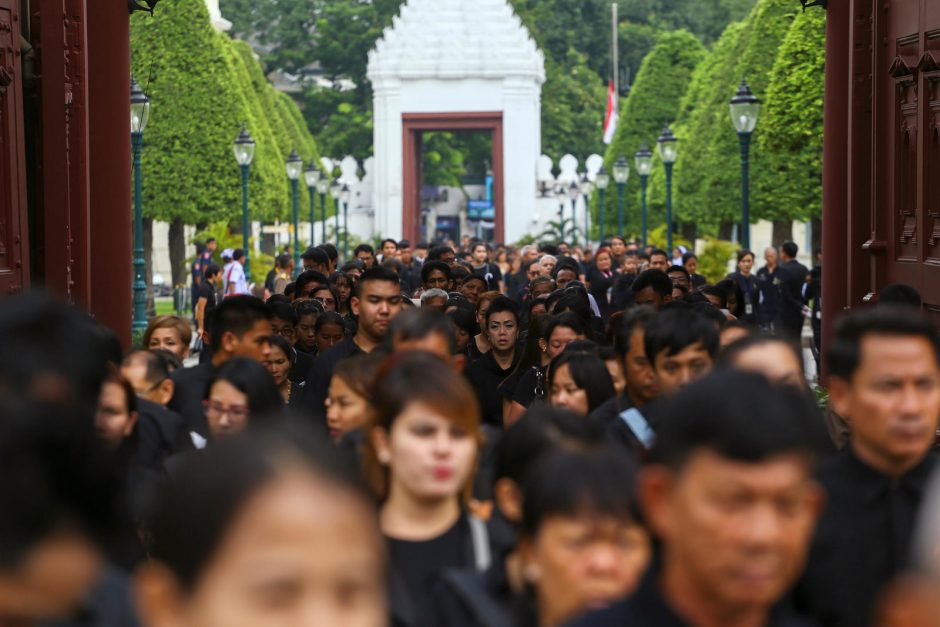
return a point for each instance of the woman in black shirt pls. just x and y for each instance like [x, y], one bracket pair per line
[420, 459]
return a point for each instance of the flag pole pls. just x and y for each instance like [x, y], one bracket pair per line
[615, 62]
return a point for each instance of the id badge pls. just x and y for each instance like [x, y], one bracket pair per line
[639, 426]
[749, 309]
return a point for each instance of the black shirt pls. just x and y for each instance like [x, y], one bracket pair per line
[207, 291]
[190, 386]
[485, 376]
[491, 274]
[648, 608]
[862, 540]
[317, 385]
[792, 278]
[415, 564]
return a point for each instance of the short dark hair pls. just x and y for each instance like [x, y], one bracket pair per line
[306, 278]
[687, 257]
[730, 353]
[316, 255]
[634, 318]
[744, 252]
[375, 274]
[431, 266]
[845, 347]
[654, 278]
[680, 270]
[675, 329]
[236, 314]
[386, 241]
[404, 244]
[739, 416]
[438, 251]
[899, 294]
[501, 304]
[541, 429]
[330, 251]
[328, 317]
[254, 381]
[156, 368]
[282, 261]
[565, 263]
[352, 264]
[588, 373]
[790, 248]
[363, 248]
[211, 270]
[237, 254]
[286, 348]
[464, 318]
[576, 483]
[418, 323]
[659, 251]
[283, 311]
[568, 320]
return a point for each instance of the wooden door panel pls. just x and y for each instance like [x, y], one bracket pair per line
[13, 225]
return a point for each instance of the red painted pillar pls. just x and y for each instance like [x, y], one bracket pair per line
[835, 167]
[108, 41]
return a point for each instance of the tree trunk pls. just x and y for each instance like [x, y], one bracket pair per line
[783, 231]
[725, 229]
[148, 265]
[689, 232]
[177, 239]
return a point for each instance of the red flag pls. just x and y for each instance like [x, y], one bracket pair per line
[610, 119]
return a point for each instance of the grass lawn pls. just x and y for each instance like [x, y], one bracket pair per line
[164, 306]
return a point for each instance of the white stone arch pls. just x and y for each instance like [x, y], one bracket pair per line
[450, 58]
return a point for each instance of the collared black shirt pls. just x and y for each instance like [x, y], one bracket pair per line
[190, 386]
[863, 538]
[648, 608]
[317, 386]
[485, 376]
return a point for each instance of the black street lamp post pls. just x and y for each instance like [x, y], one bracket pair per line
[643, 160]
[573, 192]
[601, 181]
[668, 151]
[323, 187]
[140, 114]
[335, 189]
[311, 178]
[244, 150]
[587, 188]
[745, 108]
[560, 195]
[294, 168]
[621, 174]
[344, 196]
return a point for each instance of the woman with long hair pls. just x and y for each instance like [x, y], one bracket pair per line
[579, 382]
[480, 345]
[281, 359]
[420, 459]
[241, 391]
[600, 279]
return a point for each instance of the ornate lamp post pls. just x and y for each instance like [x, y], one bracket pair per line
[601, 181]
[560, 195]
[587, 188]
[244, 150]
[573, 192]
[621, 174]
[643, 160]
[323, 186]
[344, 195]
[668, 151]
[745, 108]
[311, 178]
[294, 167]
[140, 114]
[335, 189]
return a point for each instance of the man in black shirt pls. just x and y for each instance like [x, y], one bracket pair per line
[241, 327]
[884, 367]
[376, 300]
[792, 282]
[206, 294]
[729, 493]
[641, 385]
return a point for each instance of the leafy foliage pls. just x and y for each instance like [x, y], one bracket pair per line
[713, 262]
[792, 119]
[203, 88]
[653, 101]
[572, 108]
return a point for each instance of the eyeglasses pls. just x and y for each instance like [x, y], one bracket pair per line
[285, 331]
[217, 409]
[325, 300]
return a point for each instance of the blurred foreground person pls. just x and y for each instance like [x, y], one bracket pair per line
[276, 532]
[420, 461]
[582, 546]
[730, 495]
[884, 366]
[61, 506]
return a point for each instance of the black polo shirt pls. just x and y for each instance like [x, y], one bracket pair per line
[862, 539]
[648, 608]
[485, 376]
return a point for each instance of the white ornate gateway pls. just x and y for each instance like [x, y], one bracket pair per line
[455, 65]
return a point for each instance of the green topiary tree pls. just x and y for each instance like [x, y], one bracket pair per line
[654, 100]
[792, 124]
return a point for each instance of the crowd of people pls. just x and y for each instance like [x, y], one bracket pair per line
[457, 435]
